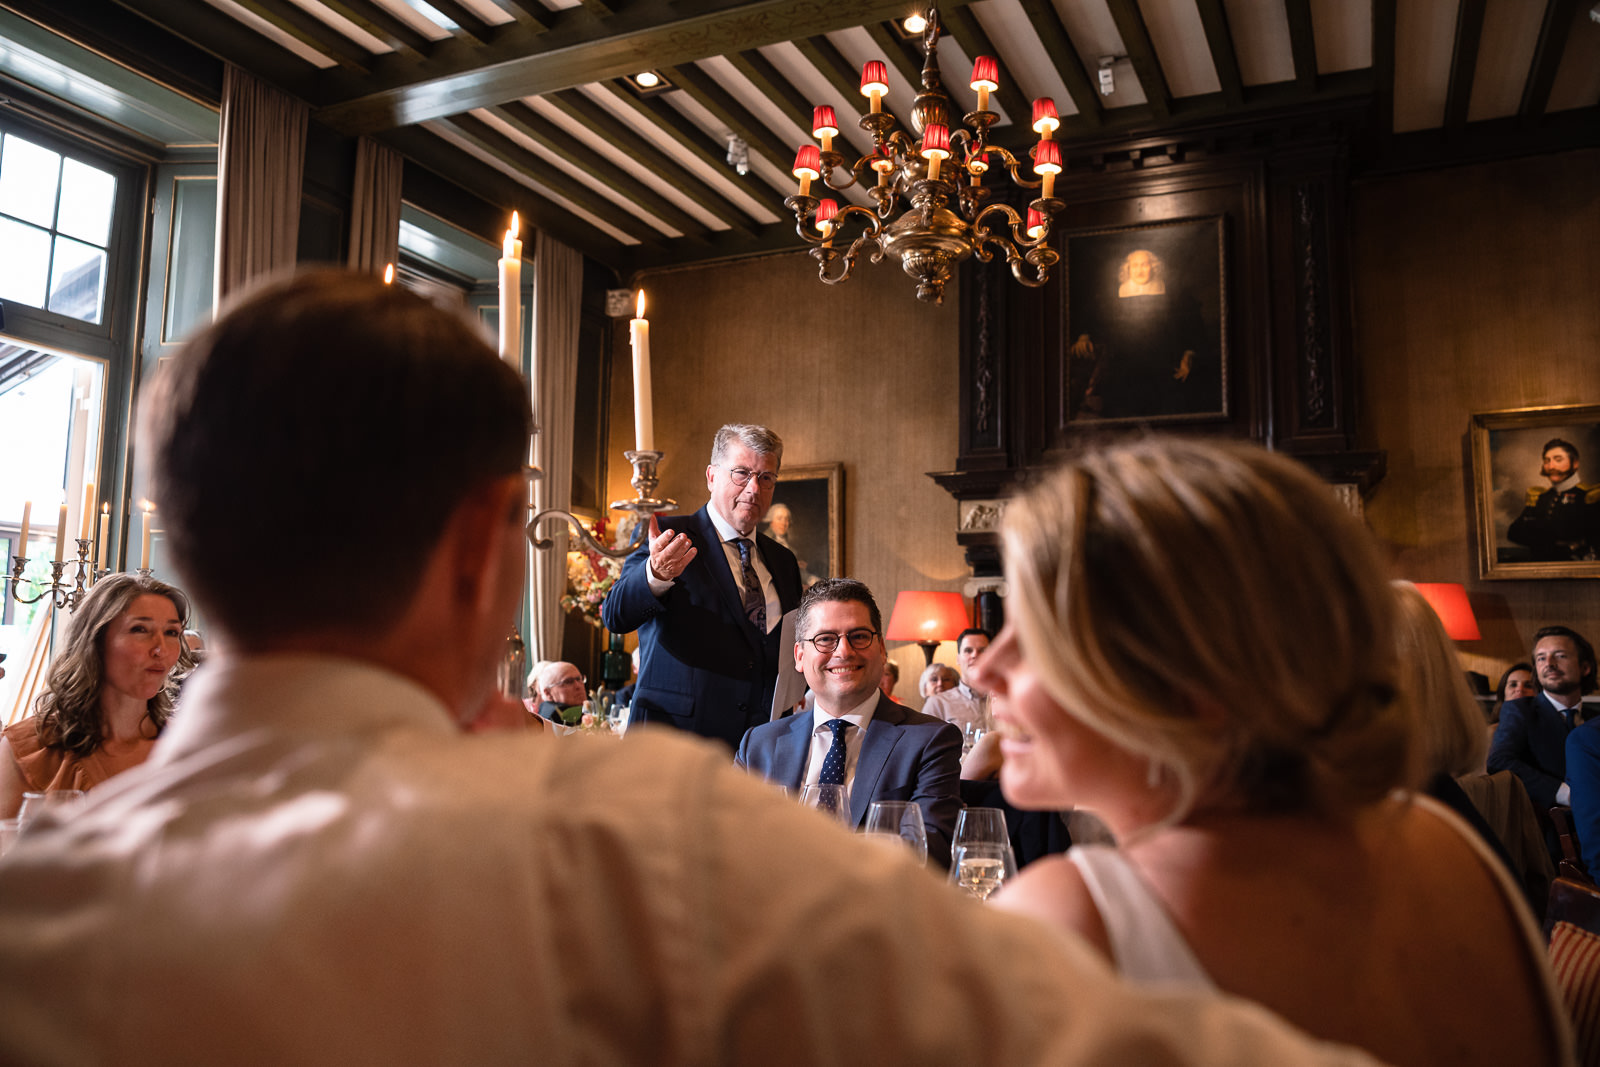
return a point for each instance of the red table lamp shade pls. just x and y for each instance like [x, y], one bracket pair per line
[1449, 602]
[927, 618]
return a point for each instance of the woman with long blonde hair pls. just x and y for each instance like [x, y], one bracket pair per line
[107, 695]
[1201, 649]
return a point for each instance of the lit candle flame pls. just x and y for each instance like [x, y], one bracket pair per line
[639, 314]
[388, 274]
[514, 224]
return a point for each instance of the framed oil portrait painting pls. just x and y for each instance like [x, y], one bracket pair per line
[807, 517]
[1536, 484]
[1147, 322]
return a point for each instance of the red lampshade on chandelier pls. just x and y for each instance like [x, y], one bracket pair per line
[940, 175]
[927, 618]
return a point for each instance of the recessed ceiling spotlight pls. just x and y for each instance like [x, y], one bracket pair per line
[915, 24]
[647, 79]
[647, 83]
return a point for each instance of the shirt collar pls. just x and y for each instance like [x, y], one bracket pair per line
[1566, 483]
[1554, 703]
[725, 529]
[858, 716]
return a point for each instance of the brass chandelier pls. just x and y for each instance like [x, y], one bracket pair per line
[949, 216]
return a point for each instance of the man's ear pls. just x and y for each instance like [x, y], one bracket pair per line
[711, 477]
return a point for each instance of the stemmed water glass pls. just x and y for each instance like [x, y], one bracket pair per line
[36, 804]
[981, 859]
[900, 823]
[831, 800]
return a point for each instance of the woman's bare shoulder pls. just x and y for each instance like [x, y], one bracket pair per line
[1053, 890]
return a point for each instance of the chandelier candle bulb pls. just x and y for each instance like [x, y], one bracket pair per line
[826, 210]
[1045, 119]
[1047, 164]
[511, 297]
[985, 79]
[824, 127]
[644, 430]
[935, 147]
[875, 83]
[807, 167]
[105, 522]
[1035, 224]
[86, 516]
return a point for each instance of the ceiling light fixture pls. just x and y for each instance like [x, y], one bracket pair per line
[941, 175]
[647, 79]
[647, 83]
[738, 153]
[914, 24]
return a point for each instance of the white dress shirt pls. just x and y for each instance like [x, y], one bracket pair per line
[822, 739]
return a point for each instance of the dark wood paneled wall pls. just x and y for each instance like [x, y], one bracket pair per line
[1476, 289]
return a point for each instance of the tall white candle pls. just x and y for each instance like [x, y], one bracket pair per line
[86, 519]
[144, 545]
[61, 532]
[105, 524]
[644, 429]
[22, 539]
[511, 297]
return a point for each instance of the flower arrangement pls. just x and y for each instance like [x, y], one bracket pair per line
[590, 577]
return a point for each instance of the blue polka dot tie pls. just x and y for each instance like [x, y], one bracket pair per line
[833, 762]
[755, 601]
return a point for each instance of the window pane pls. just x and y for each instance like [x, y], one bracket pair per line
[25, 263]
[77, 280]
[86, 198]
[191, 261]
[28, 175]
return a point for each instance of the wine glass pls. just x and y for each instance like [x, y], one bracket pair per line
[831, 800]
[898, 822]
[981, 859]
[9, 829]
[36, 804]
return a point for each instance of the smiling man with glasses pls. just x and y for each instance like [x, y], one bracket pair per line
[707, 594]
[858, 737]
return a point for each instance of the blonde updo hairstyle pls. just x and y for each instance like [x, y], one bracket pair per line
[1212, 608]
[1454, 731]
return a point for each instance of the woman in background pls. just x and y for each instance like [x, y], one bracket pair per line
[1518, 682]
[1263, 850]
[108, 693]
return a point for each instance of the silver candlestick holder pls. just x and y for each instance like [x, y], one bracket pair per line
[644, 504]
[61, 592]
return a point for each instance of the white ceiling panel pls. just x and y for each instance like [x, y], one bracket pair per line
[1510, 35]
[1577, 81]
[1260, 30]
[817, 89]
[1025, 58]
[1424, 35]
[1179, 38]
[1094, 34]
[1344, 35]
[337, 22]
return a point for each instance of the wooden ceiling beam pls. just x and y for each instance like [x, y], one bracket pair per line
[1142, 54]
[466, 20]
[668, 120]
[312, 32]
[1558, 18]
[1303, 43]
[427, 150]
[581, 48]
[832, 65]
[551, 176]
[661, 166]
[969, 34]
[530, 14]
[376, 20]
[704, 90]
[560, 143]
[1463, 62]
[1214, 17]
[1052, 34]
[769, 82]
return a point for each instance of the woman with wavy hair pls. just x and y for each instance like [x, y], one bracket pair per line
[1201, 649]
[107, 695]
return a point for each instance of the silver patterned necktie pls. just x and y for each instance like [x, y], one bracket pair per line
[755, 601]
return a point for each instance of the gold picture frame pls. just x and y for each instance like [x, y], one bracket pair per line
[1521, 532]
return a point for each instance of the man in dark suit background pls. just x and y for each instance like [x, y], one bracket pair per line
[708, 608]
[1531, 739]
[890, 752]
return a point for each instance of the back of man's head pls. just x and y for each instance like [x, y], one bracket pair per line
[307, 449]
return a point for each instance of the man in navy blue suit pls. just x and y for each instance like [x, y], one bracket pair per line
[889, 751]
[1531, 740]
[707, 594]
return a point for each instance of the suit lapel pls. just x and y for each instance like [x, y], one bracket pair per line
[881, 737]
[792, 750]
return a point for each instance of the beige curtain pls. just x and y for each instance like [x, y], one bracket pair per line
[375, 207]
[260, 164]
[557, 295]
